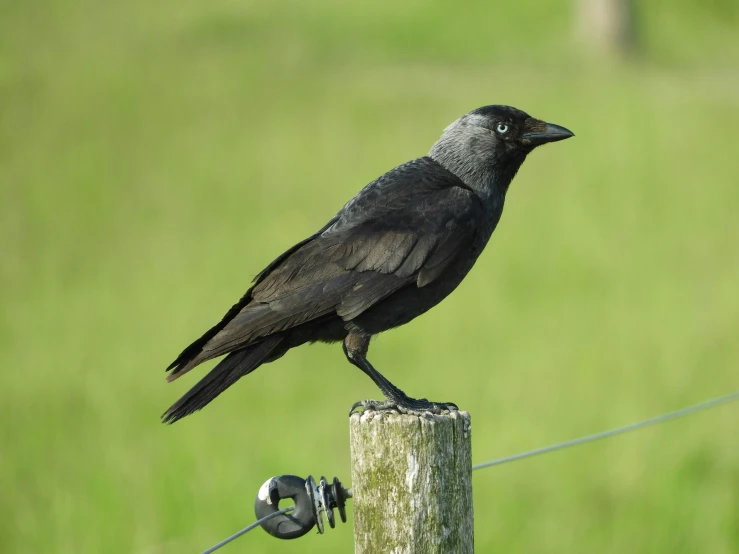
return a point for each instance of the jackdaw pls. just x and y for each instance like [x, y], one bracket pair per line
[392, 252]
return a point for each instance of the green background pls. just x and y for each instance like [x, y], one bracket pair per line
[156, 155]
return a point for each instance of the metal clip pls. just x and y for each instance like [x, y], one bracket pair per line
[311, 501]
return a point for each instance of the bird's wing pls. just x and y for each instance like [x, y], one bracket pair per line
[401, 230]
[392, 226]
[192, 355]
[348, 269]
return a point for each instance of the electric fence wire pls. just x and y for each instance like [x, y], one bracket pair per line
[559, 446]
[247, 529]
[618, 431]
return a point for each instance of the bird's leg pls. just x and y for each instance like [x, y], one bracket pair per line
[355, 348]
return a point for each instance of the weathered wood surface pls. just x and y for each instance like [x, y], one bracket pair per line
[412, 483]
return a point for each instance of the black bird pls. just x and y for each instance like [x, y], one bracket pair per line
[392, 252]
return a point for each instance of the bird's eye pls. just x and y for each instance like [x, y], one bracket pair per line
[502, 128]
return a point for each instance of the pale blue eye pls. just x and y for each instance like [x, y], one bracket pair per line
[502, 128]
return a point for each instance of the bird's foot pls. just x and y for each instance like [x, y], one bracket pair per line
[406, 405]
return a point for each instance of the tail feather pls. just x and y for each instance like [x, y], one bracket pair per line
[226, 373]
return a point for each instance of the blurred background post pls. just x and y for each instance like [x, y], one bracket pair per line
[609, 27]
[155, 155]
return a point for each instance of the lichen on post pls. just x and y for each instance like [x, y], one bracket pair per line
[412, 483]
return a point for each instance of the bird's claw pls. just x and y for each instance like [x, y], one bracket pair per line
[374, 405]
[410, 406]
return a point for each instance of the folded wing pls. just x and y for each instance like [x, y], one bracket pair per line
[387, 238]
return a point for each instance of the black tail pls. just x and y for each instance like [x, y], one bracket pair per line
[226, 373]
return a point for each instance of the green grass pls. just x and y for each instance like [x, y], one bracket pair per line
[155, 156]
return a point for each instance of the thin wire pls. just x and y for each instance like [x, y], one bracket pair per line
[559, 446]
[633, 427]
[247, 529]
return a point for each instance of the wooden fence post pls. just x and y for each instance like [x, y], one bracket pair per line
[412, 483]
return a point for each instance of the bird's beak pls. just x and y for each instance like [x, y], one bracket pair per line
[540, 133]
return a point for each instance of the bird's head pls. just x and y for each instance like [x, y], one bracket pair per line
[486, 147]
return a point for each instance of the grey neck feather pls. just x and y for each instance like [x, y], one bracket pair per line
[468, 153]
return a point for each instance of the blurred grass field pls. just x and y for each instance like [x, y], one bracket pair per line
[154, 156]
